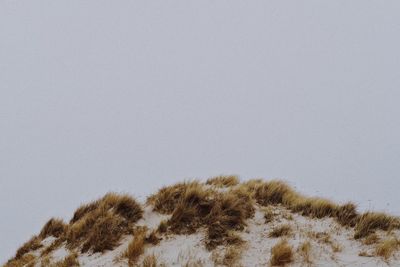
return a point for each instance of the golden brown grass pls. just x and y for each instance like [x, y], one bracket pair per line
[193, 206]
[371, 221]
[281, 254]
[152, 238]
[232, 256]
[305, 252]
[281, 230]
[70, 261]
[269, 215]
[31, 245]
[98, 226]
[371, 239]
[54, 227]
[167, 198]
[386, 248]
[278, 192]
[136, 246]
[162, 227]
[150, 261]
[223, 181]
[54, 245]
[24, 260]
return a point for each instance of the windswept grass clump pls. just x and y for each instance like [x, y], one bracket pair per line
[54, 227]
[281, 254]
[223, 181]
[167, 198]
[277, 192]
[31, 245]
[136, 246]
[371, 221]
[193, 206]
[98, 226]
[28, 260]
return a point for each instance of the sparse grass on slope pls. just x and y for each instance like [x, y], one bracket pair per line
[387, 247]
[220, 206]
[97, 226]
[371, 221]
[136, 246]
[278, 192]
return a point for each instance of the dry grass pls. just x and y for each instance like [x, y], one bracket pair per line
[24, 260]
[31, 245]
[278, 192]
[269, 215]
[371, 239]
[167, 198]
[98, 226]
[371, 221]
[150, 261]
[281, 254]
[223, 181]
[54, 227]
[281, 230]
[152, 238]
[70, 261]
[194, 206]
[228, 212]
[232, 256]
[136, 246]
[162, 227]
[386, 248]
[305, 252]
[54, 245]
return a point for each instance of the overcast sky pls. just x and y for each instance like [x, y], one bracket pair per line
[126, 96]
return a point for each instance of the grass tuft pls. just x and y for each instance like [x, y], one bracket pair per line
[371, 221]
[136, 246]
[279, 231]
[223, 181]
[386, 248]
[54, 227]
[281, 254]
[31, 245]
[150, 261]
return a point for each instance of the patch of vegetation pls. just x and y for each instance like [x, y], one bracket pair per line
[281, 254]
[136, 246]
[70, 261]
[371, 221]
[386, 248]
[194, 206]
[305, 252]
[24, 260]
[223, 181]
[54, 227]
[281, 230]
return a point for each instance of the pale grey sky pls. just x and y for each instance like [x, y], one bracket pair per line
[100, 96]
